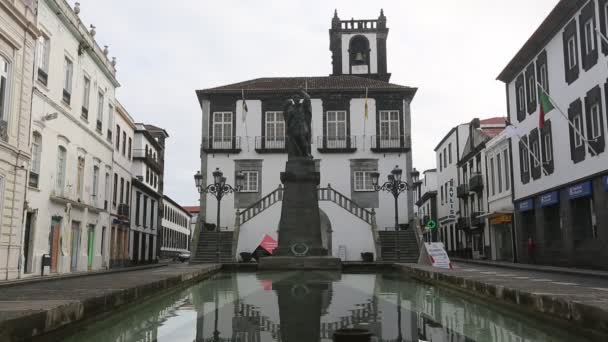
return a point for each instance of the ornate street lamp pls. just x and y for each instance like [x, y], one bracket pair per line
[218, 189]
[395, 186]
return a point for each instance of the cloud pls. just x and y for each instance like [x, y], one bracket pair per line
[451, 50]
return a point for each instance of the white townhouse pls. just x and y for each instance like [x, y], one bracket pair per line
[472, 190]
[120, 214]
[18, 33]
[72, 118]
[175, 229]
[499, 214]
[426, 202]
[560, 181]
[347, 146]
[145, 196]
[448, 153]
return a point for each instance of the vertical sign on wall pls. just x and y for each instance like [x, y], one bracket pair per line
[452, 212]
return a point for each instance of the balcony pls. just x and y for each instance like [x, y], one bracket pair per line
[477, 221]
[221, 144]
[147, 157]
[462, 223]
[346, 144]
[476, 182]
[396, 143]
[462, 191]
[123, 210]
[271, 144]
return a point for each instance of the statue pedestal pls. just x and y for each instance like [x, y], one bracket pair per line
[300, 243]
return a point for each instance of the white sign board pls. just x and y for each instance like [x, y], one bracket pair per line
[437, 255]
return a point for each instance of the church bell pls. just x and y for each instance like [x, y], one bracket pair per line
[359, 58]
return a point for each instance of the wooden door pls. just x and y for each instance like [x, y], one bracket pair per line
[75, 245]
[55, 230]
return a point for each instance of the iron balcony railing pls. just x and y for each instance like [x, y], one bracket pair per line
[477, 220]
[462, 223]
[338, 143]
[270, 144]
[123, 210]
[476, 182]
[462, 191]
[148, 158]
[393, 143]
[221, 144]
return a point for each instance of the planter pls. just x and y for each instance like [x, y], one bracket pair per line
[352, 335]
[367, 257]
[246, 256]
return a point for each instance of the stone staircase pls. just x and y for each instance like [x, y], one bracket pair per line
[207, 244]
[409, 250]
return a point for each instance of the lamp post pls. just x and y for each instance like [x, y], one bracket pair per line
[395, 186]
[218, 189]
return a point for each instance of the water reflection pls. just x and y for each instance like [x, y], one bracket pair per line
[310, 306]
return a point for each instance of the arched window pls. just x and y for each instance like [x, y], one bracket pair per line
[4, 87]
[61, 164]
[36, 155]
[359, 51]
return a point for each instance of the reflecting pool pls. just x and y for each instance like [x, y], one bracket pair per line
[310, 306]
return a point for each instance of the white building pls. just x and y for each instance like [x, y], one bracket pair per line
[72, 119]
[561, 181]
[499, 214]
[145, 196]
[448, 153]
[175, 229]
[18, 34]
[472, 188]
[124, 132]
[347, 146]
[426, 202]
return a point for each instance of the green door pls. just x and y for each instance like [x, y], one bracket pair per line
[91, 245]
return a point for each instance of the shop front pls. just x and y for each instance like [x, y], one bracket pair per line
[501, 228]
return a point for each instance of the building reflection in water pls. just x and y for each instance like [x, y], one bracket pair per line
[305, 307]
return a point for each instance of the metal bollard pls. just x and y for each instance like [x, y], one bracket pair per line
[352, 335]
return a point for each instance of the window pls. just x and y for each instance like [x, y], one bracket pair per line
[151, 213]
[493, 176]
[548, 154]
[544, 79]
[275, 130]
[61, 164]
[68, 72]
[250, 182]
[441, 191]
[36, 156]
[521, 95]
[127, 192]
[80, 177]
[137, 199]
[440, 162]
[363, 181]
[85, 97]
[110, 121]
[531, 87]
[42, 55]
[99, 111]
[222, 129]
[122, 190]
[571, 49]
[450, 153]
[95, 186]
[115, 190]
[124, 143]
[589, 36]
[507, 170]
[535, 153]
[525, 165]
[445, 158]
[129, 150]
[596, 126]
[117, 138]
[107, 191]
[145, 214]
[4, 87]
[499, 172]
[578, 124]
[336, 128]
[389, 129]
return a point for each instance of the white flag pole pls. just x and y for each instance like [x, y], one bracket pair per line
[576, 130]
[527, 146]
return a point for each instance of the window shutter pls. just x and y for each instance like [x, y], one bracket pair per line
[531, 89]
[588, 59]
[520, 101]
[546, 131]
[576, 153]
[523, 159]
[594, 96]
[570, 31]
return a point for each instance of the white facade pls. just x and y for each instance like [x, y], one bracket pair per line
[72, 114]
[175, 232]
[349, 232]
[448, 153]
[17, 48]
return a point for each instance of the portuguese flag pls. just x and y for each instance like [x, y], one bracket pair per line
[545, 106]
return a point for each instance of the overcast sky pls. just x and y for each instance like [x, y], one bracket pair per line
[451, 50]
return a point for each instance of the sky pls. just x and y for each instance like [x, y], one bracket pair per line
[450, 50]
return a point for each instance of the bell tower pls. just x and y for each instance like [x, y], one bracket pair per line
[358, 47]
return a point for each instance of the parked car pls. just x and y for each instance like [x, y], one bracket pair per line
[183, 257]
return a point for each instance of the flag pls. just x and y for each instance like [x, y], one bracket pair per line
[545, 106]
[366, 107]
[244, 105]
[512, 131]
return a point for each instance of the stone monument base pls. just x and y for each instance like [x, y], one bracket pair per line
[294, 263]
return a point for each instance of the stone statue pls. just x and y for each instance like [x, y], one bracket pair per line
[298, 117]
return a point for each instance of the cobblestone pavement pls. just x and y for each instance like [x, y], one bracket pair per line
[50, 304]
